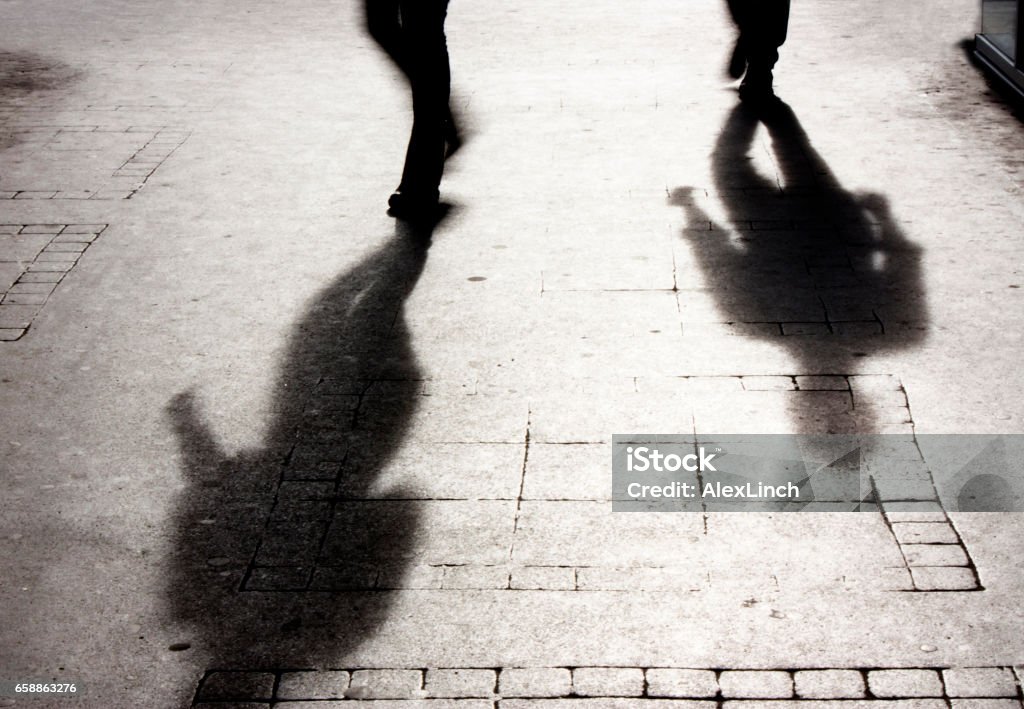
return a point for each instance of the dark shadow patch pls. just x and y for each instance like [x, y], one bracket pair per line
[823, 271]
[250, 531]
[23, 73]
[24, 76]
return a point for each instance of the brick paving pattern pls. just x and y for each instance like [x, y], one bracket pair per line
[650, 687]
[34, 259]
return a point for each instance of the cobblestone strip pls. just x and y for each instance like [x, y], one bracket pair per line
[144, 163]
[34, 259]
[996, 686]
[932, 549]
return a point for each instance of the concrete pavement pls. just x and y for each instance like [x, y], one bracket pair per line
[263, 445]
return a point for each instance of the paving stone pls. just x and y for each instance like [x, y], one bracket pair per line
[461, 683]
[294, 533]
[35, 288]
[769, 383]
[670, 682]
[980, 682]
[606, 703]
[74, 238]
[321, 684]
[475, 577]
[385, 684]
[50, 266]
[17, 317]
[876, 384]
[57, 256]
[346, 577]
[586, 534]
[829, 684]
[567, 472]
[390, 704]
[42, 228]
[88, 229]
[862, 328]
[534, 682]
[457, 471]
[924, 533]
[74, 247]
[8, 334]
[934, 554]
[839, 704]
[905, 488]
[416, 576]
[42, 277]
[550, 578]
[904, 683]
[756, 684]
[822, 383]
[24, 298]
[608, 681]
[985, 704]
[634, 578]
[943, 578]
[243, 686]
[904, 511]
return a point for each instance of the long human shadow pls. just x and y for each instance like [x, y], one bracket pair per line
[808, 264]
[269, 543]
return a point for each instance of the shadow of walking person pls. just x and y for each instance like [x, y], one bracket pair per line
[269, 544]
[825, 272]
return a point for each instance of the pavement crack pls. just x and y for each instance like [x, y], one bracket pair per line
[522, 485]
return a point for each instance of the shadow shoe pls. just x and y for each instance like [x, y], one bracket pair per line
[452, 136]
[756, 87]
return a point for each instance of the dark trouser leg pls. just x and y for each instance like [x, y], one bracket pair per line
[763, 25]
[383, 23]
[430, 78]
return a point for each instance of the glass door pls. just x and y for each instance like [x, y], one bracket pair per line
[999, 25]
[1000, 46]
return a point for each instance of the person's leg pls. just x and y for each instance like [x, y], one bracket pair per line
[430, 78]
[766, 23]
[383, 24]
[763, 27]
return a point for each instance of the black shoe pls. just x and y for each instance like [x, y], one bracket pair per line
[413, 207]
